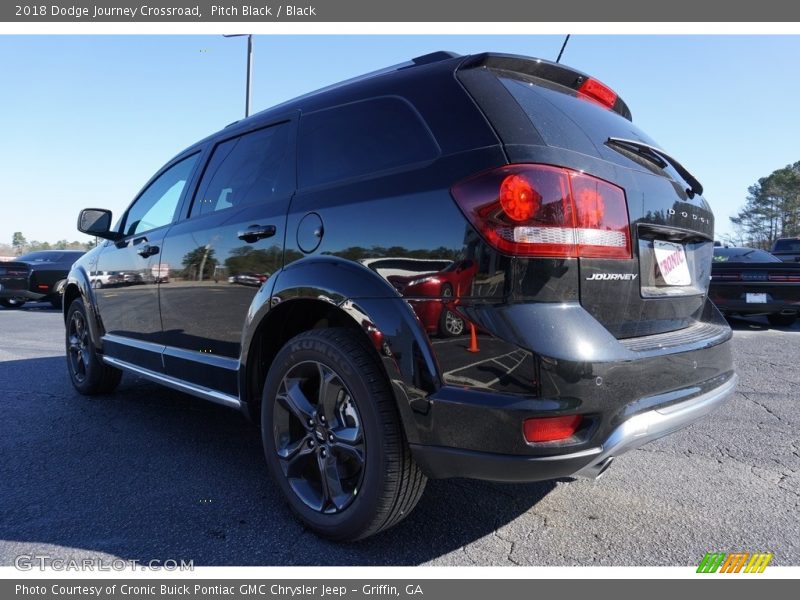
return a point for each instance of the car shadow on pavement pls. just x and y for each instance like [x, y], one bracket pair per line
[152, 474]
[33, 307]
[758, 324]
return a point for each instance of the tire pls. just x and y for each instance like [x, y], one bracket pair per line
[57, 298]
[11, 303]
[97, 284]
[450, 324]
[779, 320]
[371, 480]
[88, 373]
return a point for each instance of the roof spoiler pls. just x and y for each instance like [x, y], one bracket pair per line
[541, 69]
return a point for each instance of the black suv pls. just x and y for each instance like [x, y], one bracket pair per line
[587, 329]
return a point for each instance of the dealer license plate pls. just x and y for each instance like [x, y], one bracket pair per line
[672, 265]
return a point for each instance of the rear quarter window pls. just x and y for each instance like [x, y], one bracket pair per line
[361, 139]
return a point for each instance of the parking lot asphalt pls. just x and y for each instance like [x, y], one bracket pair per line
[152, 474]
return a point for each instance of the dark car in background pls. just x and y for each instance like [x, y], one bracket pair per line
[787, 249]
[586, 253]
[747, 281]
[36, 276]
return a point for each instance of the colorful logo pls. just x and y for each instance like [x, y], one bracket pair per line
[735, 562]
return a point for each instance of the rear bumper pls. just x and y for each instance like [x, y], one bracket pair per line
[653, 424]
[17, 293]
[744, 308]
[732, 298]
[644, 427]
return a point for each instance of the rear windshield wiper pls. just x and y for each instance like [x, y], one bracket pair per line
[661, 158]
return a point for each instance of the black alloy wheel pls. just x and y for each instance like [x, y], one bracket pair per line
[88, 373]
[318, 437]
[333, 438]
[78, 346]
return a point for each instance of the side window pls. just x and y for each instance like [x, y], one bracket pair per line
[157, 205]
[361, 138]
[244, 170]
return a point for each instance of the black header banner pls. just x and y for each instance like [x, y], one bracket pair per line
[323, 11]
[390, 589]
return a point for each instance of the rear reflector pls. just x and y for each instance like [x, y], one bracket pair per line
[599, 92]
[43, 286]
[541, 210]
[550, 429]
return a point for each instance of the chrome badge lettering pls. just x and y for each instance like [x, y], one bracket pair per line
[695, 217]
[612, 277]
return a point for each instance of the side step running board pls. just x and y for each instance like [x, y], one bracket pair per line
[176, 384]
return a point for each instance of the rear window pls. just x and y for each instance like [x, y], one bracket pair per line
[360, 139]
[565, 121]
[743, 255]
[787, 246]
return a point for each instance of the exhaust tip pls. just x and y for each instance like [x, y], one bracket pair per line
[604, 466]
[596, 470]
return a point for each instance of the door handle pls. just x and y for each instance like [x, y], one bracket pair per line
[257, 232]
[147, 250]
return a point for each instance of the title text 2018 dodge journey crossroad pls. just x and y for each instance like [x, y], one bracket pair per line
[465, 267]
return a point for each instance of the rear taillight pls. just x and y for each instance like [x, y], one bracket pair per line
[784, 278]
[599, 92]
[726, 277]
[541, 210]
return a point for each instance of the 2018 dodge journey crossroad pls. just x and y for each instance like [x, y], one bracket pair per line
[517, 194]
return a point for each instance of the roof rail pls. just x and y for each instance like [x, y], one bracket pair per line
[420, 60]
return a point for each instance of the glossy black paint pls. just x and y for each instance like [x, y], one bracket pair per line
[227, 289]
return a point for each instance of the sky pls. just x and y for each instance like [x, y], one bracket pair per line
[86, 120]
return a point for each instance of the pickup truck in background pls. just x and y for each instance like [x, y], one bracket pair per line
[787, 249]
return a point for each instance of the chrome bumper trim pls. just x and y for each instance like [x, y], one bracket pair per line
[653, 424]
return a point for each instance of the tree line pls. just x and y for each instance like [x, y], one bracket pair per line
[772, 210]
[20, 245]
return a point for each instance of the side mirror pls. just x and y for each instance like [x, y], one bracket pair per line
[97, 221]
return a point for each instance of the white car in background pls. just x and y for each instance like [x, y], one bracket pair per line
[100, 279]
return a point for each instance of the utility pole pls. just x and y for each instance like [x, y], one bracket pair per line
[248, 85]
